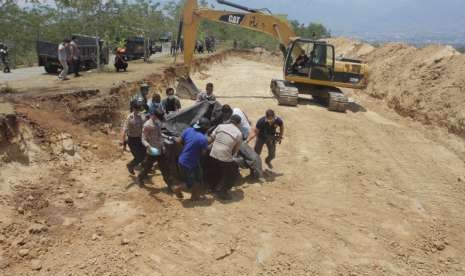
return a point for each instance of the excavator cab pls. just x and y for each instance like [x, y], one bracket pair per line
[310, 59]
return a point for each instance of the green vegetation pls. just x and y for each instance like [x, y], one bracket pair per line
[113, 20]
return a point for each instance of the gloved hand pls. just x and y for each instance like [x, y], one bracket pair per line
[153, 151]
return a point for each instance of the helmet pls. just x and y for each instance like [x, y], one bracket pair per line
[140, 101]
[137, 103]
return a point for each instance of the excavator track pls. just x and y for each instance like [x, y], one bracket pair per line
[337, 101]
[285, 92]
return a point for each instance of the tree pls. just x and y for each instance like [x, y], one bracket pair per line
[114, 20]
[312, 30]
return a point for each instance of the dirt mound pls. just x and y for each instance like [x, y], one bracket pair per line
[426, 84]
[350, 47]
[16, 137]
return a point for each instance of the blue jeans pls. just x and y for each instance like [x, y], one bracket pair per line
[192, 175]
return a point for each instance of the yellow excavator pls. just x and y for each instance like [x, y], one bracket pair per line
[310, 66]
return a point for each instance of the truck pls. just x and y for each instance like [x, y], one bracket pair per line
[47, 53]
[134, 48]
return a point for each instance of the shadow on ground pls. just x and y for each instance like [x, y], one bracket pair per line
[352, 106]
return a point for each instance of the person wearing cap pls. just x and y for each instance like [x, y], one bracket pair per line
[207, 95]
[267, 134]
[152, 140]
[132, 135]
[171, 103]
[226, 139]
[195, 144]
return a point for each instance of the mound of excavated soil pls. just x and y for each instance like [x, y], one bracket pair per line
[426, 84]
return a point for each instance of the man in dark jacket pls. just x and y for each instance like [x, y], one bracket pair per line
[267, 134]
[171, 103]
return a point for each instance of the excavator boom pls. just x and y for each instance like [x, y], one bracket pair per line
[252, 20]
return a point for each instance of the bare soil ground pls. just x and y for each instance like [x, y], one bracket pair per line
[426, 84]
[363, 193]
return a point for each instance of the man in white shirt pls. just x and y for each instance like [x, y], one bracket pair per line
[245, 123]
[63, 58]
[226, 139]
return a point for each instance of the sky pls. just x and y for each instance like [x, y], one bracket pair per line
[372, 16]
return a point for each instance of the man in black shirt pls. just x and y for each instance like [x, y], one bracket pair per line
[171, 103]
[266, 134]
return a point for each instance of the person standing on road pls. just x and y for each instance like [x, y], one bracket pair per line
[171, 103]
[132, 136]
[75, 56]
[173, 47]
[195, 144]
[63, 58]
[207, 95]
[266, 134]
[152, 139]
[4, 58]
[226, 139]
[181, 45]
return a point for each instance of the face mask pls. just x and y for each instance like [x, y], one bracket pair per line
[171, 97]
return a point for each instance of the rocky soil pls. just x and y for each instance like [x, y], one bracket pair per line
[368, 192]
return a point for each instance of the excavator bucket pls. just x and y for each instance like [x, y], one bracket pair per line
[186, 88]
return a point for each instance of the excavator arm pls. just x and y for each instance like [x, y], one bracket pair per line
[252, 19]
[326, 74]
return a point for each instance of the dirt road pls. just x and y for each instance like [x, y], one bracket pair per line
[361, 193]
[28, 78]
[22, 74]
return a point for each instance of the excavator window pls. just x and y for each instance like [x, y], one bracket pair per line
[300, 58]
[319, 54]
[310, 59]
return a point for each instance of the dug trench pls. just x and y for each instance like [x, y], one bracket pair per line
[362, 193]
